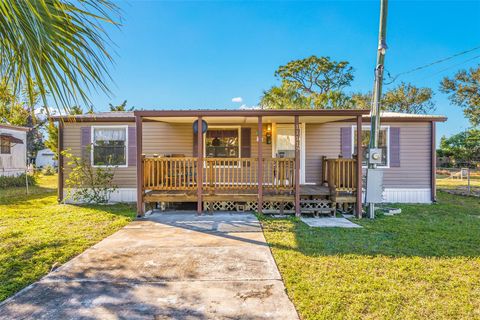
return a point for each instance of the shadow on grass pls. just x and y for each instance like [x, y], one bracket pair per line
[450, 228]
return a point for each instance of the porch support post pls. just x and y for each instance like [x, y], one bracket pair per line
[297, 167]
[139, 134]
[358, 206]
[60, 161]
[199, 164]
[433, 171]
[260, 164]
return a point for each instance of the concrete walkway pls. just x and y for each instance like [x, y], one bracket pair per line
[166, 266]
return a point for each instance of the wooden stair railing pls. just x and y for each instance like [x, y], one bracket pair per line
[340, 174]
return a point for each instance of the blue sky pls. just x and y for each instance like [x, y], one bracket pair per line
[172, 54]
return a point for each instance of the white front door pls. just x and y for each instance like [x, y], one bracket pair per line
[284, 144]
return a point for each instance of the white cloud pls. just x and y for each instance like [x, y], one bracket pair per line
[237, 99]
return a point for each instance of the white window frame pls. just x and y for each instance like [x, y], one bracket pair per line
[92, 144]
[367, 127]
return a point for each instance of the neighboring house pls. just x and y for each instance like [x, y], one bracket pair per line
[44, 158]
[13, 150]
[284, 160]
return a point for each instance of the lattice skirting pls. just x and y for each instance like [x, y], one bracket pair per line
[307, 206]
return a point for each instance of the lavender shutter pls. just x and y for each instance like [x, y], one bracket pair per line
[86, 143]
[394, 147]
[346, 142]
[245, 148]
[132, 146]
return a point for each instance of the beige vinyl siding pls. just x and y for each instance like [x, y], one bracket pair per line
[166, 138]
[415, 158]
[123, 178]
[158, 138]
[320, 140]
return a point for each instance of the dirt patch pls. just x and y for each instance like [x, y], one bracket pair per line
[463, 191]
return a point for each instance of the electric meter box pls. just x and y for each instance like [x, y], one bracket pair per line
[374, 190]
[375, 156]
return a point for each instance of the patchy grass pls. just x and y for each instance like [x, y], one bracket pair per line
[457, 186]
[36, 232]
[450, 183]
[421, 264]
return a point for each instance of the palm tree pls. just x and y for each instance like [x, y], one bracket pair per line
[59, 47]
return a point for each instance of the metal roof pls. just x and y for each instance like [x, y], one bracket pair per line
[130, 115]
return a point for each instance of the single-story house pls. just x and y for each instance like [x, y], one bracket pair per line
[45, 158]
[285, 160]
[13, 150]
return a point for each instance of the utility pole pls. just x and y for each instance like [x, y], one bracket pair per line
[377, 94]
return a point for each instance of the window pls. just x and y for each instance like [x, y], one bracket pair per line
[5, 146]
[222, 143]
[109, 146]
[285, 141]
[383, 143]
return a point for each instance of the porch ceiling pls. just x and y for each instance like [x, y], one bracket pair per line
[252, 119]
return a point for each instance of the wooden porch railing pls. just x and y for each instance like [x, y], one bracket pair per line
[340, 174]
[279, 174]
[218, 174]
[170, 173]
[230, 173]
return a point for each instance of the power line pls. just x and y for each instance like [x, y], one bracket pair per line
[452, 66]
[432, 63]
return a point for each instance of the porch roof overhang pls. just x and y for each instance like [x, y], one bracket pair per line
[250, 116]
[10, 138]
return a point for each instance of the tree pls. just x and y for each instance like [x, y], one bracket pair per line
[16, 109]
[464, 91]
[52, 141]
[310, 83]
[463, 147]
[75, 110]
[59, 47]
[405, 98]
[120, 107]
[362, 100]
[284, 97]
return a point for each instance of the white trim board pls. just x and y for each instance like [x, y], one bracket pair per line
[118, 196]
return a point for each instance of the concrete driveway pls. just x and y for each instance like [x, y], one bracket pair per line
[166, 266]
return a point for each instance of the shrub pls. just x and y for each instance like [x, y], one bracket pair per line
[91, 185]
[16, 181]
[49, 170]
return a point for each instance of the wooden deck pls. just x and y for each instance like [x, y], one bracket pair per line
[233, 182]
[234, 195]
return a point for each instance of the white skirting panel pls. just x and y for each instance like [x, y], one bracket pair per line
[390, 195]
[12, 172]
[119, 195]
[401, 195]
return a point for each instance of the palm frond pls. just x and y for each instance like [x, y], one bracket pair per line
[60, 46]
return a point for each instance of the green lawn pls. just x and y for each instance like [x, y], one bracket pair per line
[36, 232]
[421, 264]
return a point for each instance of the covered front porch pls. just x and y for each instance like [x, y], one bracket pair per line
[248, 176]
